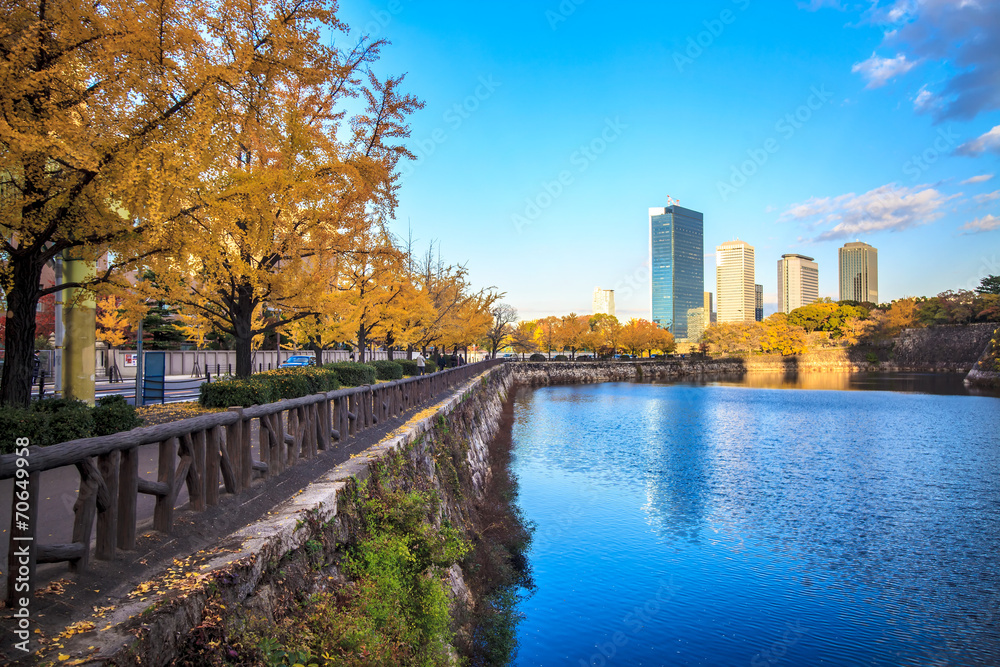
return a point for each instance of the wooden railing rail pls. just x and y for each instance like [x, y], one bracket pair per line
[195, 454]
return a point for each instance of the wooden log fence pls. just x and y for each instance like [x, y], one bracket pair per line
[206, 455]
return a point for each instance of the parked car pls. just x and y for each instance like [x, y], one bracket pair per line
[298, 361]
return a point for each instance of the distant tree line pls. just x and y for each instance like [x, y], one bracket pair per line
[844, 323]
[600, 335]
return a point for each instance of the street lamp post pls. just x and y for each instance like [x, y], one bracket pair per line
[138, 365]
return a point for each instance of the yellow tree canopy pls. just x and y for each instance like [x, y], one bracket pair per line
[111, 326]
[279, 197]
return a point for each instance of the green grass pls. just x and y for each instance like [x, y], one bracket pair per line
[396, 611]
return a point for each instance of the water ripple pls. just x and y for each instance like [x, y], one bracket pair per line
[709, 525]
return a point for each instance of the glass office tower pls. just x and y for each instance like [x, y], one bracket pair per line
[677, 278]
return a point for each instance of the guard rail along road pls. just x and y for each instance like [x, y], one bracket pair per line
[196, 452]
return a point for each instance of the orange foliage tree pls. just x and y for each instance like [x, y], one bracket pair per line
[287, 183]
[88, 92]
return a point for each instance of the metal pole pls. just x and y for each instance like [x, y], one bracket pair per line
[60, 331]
[138, 365]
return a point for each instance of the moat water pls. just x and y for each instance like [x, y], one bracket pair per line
[771, 521]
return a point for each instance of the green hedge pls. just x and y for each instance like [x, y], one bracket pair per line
[410, 366]
[387, 370]
[52, 421]
[268, 387]
[537, 357]
[353, 374]
[113, 414]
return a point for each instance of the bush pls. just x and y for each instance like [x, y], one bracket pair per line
[537, 357]
[113, 414]
[269, 387]
[410, 367]
[234, 392]
[561, 357]
[320, 379]
[22, 423]
[69, 419]
[49, 422]
[351, 374]
[585, 357]
[387, 370]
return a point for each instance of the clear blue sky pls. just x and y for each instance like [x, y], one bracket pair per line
[678, 99]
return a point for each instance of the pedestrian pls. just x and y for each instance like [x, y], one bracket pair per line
[461, 360]
[420, 364]
[354, 355]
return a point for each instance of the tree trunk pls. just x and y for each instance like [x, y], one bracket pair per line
[19, 338]
[242, 318]
[362, 343]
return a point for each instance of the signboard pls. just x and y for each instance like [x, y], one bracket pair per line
[153, 377]
[131, 359]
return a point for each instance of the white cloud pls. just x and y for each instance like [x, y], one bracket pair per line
[887, 208]
[981, 178]
[986, 223]
[962, 35]
[879, 71]
[988, 142]
[987, 197]
[925, 101]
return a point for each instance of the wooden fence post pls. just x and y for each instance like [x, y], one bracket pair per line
[231, 453]
[212, 459]
[107, 521]
[163, 513]
[128, 495]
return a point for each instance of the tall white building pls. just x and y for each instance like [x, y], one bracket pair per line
[798, 282]
[735, 295]
[858, 272]
[604, 301]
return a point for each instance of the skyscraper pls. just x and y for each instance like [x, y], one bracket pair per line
[735, 293]
[798, 282]
[858, 272]
[758, 303]
[604, 301]
[676, 257]
[696, 324]
[709, 310]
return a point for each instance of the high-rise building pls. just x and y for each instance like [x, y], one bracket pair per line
[708, 308]
[858, 272]
[604, 301]
[677, 260]
[798, 282]
[734, 289]
[758, 303]
[696, 324]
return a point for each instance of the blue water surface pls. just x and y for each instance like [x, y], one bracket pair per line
[729, 525]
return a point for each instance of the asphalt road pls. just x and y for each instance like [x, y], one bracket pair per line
[177, 388]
